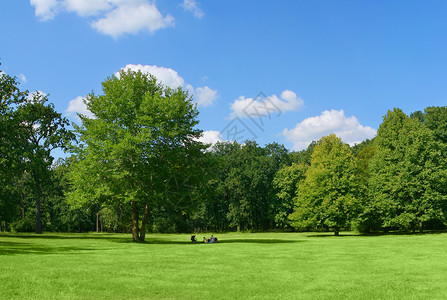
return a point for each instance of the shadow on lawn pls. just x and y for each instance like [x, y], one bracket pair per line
[224, 241]
[72, 236]
[11, 248]
[331, 234]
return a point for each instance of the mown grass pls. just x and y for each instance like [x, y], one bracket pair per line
[240, 266]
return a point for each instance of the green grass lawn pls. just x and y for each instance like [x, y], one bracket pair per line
[240, 266]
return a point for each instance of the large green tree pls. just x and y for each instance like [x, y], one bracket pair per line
[140, 148]
[407, 174]
[327, 196]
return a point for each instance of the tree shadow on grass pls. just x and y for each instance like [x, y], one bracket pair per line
[12, 248]
[63, 236]
[331, 235]
[155, 241]
[427, 232]
[372, 234]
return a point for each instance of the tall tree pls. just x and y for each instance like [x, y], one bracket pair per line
[408, 174]
[139, 147]
[327, 196]
[42, 129]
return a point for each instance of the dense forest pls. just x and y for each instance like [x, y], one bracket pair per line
[138, 166]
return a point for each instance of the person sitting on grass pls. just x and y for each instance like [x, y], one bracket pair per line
[205, 240]
[193, 239]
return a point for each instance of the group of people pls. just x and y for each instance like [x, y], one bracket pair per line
[212, 239]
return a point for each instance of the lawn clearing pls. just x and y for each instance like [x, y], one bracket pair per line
[240, 266]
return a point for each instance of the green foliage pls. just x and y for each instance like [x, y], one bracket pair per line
[139, 162]
[10, 154]
[244, 197]
[408, 175]
[29, 130]
[42, 129]
[286, 183]
[435, 118]
[327, 196]
[139, 149]
[303, 156]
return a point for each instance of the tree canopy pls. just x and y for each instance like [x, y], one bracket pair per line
[142, 136]
[327, 196]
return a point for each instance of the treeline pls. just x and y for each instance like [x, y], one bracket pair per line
[138, 167]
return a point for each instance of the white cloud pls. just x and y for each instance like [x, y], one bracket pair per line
[167, 76]
[111, 17]
[203, 96]
[311, 129]
[132, 17]
[76, 106]
[45, 9]
[22, 78]
[191, 5]
[265, 106]
[211, 137]
[85, 8]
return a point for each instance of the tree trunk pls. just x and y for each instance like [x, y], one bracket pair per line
[421, 227]
[336, 231]
[135, 231]
[38, 196]
[143, 223]
[97, 222]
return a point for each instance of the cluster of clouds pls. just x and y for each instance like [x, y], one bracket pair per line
[203, 96]
[114, 17]
[348, 128]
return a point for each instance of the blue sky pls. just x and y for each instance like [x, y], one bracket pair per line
[285, 71]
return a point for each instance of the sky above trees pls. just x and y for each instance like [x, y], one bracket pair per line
[289, 71]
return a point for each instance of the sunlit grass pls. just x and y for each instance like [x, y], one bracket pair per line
[240, 266]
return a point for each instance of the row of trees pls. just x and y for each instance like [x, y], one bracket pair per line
[137, 166]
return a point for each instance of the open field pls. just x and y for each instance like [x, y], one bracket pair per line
[241, 266]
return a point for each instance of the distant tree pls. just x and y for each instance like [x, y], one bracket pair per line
[10, 147]
[303, 156]
[357, 148]
[327, 196]
[366, 219]
[140, 148]
[435, 118]
[408, 174]
[41, 130]
[286, 183]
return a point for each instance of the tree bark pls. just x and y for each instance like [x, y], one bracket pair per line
[336, 231]
[135, 231]
[143, 223]
[97, 222]
[38, 196]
